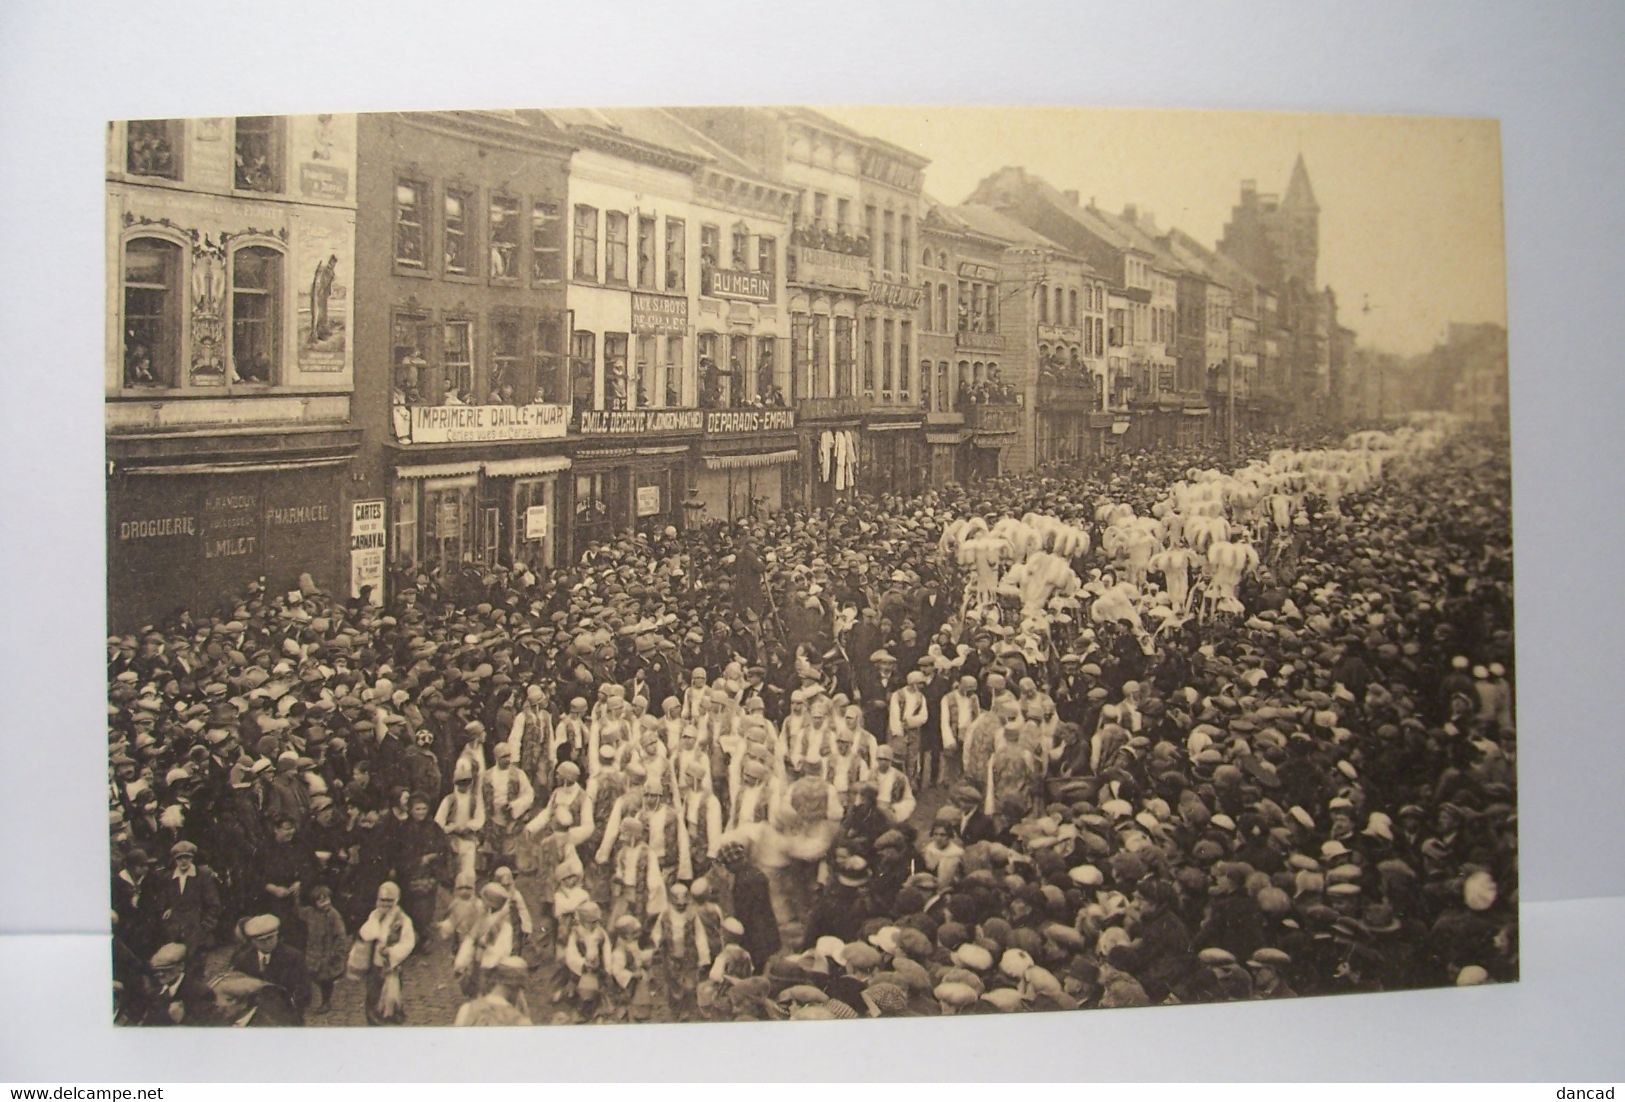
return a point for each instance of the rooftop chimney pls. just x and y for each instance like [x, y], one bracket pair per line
[1131, 213]
[1249, 186]
[1071, 196]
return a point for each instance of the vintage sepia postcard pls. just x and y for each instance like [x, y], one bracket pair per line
[757, 563]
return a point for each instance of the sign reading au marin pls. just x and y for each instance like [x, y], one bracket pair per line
[749, 286]
[463, 424]
[629, 422]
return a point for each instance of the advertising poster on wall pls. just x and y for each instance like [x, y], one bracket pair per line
[321, 274]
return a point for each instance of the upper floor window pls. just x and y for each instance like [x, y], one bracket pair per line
[905, 245]
[1072, 307]
[888, 244]
[504, 218]
[820, 208]
[153, 148]
[585, 265]
[676, 254]
[256, 314]
[843, 215]
[152, 271]
[767, 255]
[454, 235]
[545, 263]
[741, 247]
[409, 235]
[615, 246]
[710, 246]
[646, 252]
[258, 153]
[1043, 305]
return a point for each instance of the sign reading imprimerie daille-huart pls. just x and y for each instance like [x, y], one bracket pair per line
[459, 424]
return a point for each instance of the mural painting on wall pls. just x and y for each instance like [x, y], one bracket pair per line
[324, 290]
[208, 311]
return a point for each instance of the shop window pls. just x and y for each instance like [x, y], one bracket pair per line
[676, 368]
[767, 255]
[258, 153]
[448, 515]
[583, 369]
[801, 356]
[710, 371]
[545, 263]
[888, 333]
[615, 379]
[454, 233]
[615, 246]
[409, 236]
[403, 542]
[820, 356]
[457, 358]
[643, 367]
[652, 498]
[256, 314]
[411, 344]
[503, 387]
[585, 265]
[547, 361]
[591, 508]
[845, 355]
[676, 254]
[768, 388]
[153, 148]
[868, 355]
[152, 304]
[504, 219]
[646, 253]
[530, 545]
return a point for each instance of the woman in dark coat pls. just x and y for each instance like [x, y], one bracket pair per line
[752, 905]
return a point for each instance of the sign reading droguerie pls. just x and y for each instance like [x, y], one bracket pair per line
[659, 313]
[882, 293]
[463, 424]
[367, 541]
[630, 422]
[749, 286]
[726, 421]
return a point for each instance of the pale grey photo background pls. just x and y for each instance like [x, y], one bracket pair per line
[1551, 75]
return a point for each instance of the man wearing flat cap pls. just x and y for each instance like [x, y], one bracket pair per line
[263, 956]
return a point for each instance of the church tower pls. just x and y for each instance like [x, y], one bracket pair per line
[1299, 228]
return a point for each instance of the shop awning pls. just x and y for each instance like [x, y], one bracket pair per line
[942, 438]
[892, 426]
[246, 467]
[753, 459]
[438, 470]
[993, 439]
[664, 449]
[528, 464]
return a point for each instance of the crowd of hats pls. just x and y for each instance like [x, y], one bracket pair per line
[1314, 796]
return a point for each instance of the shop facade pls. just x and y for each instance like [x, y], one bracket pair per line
[229, 373]
[749, 463]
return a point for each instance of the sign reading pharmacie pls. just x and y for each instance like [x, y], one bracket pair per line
[901, 295]
[659, 313]
[724, 422]
[745, 286]
[632, 422]
[467, 424]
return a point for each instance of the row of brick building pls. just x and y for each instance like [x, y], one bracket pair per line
[342, 345]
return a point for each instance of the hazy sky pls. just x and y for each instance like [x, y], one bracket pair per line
[1410, 208]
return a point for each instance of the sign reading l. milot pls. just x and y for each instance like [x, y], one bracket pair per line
[740, 421]
[882, 293]
[464, 424]
[630, 422]
[659, 313]
[749, 286]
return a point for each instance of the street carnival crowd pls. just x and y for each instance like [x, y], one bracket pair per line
[1131, 734]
